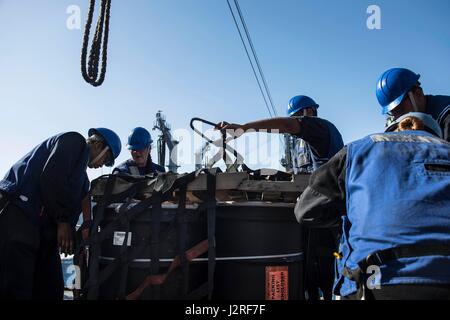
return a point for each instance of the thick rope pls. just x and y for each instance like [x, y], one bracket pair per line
[90, 71]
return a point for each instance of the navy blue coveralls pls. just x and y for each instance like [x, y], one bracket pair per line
[42, 189]
[439, 108]
[394, 190]
[317, 142]
[130, 167]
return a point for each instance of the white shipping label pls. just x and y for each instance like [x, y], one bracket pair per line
[119, 237]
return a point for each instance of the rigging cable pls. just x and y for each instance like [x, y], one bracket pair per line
[90, 71]
[255, 56]
[249, 59]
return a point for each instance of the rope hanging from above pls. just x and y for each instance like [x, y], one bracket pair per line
[90, 71]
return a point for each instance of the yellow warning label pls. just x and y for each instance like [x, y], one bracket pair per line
[277, 283]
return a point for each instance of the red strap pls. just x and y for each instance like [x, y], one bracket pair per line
[159, 279]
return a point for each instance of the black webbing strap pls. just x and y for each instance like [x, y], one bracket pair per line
[382, 257]
[95, 250]
[211, 221]
[136, 185]
[407, 251]
[224, 146]
[95, 279]
[182, 238]
[154, 244]
[199, 293]
[133, 253]
[124, 255]
[131, 214]
[107, 199]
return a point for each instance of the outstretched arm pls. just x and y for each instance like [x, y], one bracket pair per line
[283, 125]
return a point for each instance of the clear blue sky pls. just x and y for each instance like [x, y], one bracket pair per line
[185, 58]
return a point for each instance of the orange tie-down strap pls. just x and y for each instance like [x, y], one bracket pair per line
[158, 279]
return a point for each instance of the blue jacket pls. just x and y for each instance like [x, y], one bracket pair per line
[394, 198]
[52, 175]
[130, 167]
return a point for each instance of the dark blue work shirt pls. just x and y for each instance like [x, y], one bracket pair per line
[317, 141]
[52, 175]
[439, 108]
[130, 167]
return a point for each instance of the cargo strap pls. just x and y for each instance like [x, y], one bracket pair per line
[207, 245]
[382, 257]
[211, 220]
[124, 255]
[136, 184]
[159, 279]
[120, 261]
[92, 294]
[182, 238]
[95, 279]
[154, 245]
[108, 199]
[259, 174]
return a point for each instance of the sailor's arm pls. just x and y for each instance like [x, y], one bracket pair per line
[282, 125]
[323, 201]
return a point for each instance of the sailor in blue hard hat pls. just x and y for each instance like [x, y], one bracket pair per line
[139, 144]
[105, 147]
[316, 139]
[313, 142]
[390, 190]
[40, 201]
[399, 91]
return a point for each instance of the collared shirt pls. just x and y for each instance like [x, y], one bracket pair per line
[316, 142]
[130, 167]
[52, 175]
[439, 108]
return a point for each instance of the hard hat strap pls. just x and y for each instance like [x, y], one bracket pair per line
[413, 101]
[102, 153]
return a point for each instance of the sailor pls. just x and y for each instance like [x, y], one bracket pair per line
[391, 192]
[399, 92]
[315, 141]
[139, 144]
[41, 198]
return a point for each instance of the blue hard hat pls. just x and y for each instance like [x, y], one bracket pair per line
[298, 103]
[111, 139]
[428, 121]
[139, 139]
[393, 85]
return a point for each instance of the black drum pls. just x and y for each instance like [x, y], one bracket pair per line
[259, 253]
[139, 268]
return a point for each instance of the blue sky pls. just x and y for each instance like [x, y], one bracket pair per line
[184, 57]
